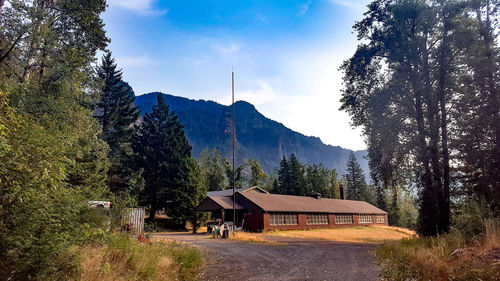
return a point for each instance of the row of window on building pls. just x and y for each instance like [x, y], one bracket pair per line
[318, 219]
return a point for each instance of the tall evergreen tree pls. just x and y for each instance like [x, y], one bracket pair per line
[275, 186]
[117, 115]
[297, 182]
[355, 180]
[283, 177]
[162, 146]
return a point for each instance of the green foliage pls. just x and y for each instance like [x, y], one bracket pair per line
[468, 216]
[318, 181]
[335, 184]
[238, 179]
[402, 208]
[187, 194]
[117, 115]
[295, 178]
[163, 149]
[212, 170]
[291, 177]
[51, 158]
[258, 177]
[422, 83]
[357, 189]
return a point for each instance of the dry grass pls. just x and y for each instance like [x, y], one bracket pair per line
[443, 258]
[398, 229]
[250, 237]
[126, 259]
[351, 234]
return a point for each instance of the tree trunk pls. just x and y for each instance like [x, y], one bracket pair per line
[441, 92]
[491, 93]
[432, 119]
[427, 214]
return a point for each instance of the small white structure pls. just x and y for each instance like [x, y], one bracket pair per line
[100, 204]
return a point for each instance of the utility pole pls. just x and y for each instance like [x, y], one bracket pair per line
[234, 140]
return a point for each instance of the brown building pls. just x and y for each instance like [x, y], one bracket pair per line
[258, 210]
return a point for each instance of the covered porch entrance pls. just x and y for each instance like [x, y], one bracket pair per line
[221, 209]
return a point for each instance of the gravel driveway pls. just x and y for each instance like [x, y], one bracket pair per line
[293, 259]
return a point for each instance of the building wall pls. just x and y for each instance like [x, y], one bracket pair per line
[302, 223]
[253, 222]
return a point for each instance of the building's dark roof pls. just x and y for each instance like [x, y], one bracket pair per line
[303, 204]
[215, 203]
[229, 192]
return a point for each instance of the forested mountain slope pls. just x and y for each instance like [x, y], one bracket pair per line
[208, 123]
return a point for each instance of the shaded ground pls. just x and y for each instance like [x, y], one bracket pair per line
[292, 259]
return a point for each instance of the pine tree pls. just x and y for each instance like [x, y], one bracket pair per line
[297, 183]
[355, 180]
[283, 177]
[275, 186]
[117, 115]
[162, 146]
[335, 184]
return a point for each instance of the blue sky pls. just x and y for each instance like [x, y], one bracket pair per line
[285, 55]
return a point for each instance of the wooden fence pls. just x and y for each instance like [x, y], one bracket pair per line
[135, 217]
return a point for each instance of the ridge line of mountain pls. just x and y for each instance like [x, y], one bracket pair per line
[208, 123]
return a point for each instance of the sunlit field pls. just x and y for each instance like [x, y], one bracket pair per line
[350, 234]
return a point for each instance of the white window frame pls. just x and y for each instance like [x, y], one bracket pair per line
[343, 219]
[317, 219]
[277, 219]
[380, 218]
[363, 218]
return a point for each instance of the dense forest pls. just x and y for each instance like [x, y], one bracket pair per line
[70, 133]
[424, 86]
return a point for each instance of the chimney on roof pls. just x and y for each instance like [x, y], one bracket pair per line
[317, 196]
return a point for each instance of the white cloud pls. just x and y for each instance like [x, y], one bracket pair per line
[263, 94]
[133, 62]
[231, 49]
[358, 5]
[144, 7]
[304, 8]
[309, 100]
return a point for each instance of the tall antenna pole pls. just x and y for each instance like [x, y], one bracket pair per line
[234, 138]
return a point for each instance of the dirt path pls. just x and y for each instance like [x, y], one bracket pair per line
[294, 259]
